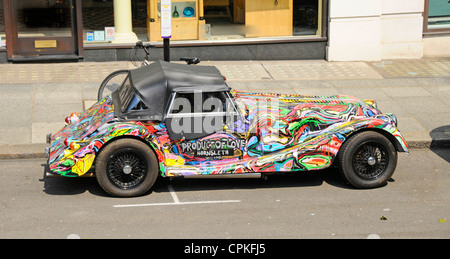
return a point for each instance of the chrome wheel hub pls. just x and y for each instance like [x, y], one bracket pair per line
[371, 160]
[127, 169]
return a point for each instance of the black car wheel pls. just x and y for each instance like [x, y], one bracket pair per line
[367, 160]
[126, 168]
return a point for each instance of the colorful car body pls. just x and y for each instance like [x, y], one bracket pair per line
[302, 133]
[239, 133]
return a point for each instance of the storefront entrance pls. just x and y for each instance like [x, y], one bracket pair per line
[42, 29]
[210, 29]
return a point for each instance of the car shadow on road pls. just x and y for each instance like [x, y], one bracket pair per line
[70, 185]
[274, 181]
[440, 142]
[73, 186]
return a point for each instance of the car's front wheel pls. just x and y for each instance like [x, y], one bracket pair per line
[367, 160]
[126, 168]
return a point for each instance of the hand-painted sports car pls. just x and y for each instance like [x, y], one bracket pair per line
[177, 120]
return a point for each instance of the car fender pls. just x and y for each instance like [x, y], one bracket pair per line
[382, 123]
[136, 130]
[79, 161]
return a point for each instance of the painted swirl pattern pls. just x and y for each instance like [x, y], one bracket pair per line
[275, 133]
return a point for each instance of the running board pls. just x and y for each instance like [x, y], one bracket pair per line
[206, 176]
[223, 176]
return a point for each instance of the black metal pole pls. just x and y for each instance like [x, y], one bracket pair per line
[166, 45]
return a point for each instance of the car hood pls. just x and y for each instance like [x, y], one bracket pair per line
[80, 129]
[285, 114]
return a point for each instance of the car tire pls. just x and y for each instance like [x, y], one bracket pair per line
[126, 168]
[367, 160]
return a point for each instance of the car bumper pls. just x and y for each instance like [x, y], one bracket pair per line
[49, 173]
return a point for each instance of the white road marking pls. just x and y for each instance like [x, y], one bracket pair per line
[174, 194]
[170, 203]
[176, 201]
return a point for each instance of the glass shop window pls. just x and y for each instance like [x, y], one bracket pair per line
[438, 15]
[99, 14]
[210, 20]
[261, 18]
[238, 19]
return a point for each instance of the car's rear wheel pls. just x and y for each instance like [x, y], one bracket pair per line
[367, 160]
[126, 168]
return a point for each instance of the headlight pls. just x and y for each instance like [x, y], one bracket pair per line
[371, 102]
[393, 118]
[74, 144]
[72, 118]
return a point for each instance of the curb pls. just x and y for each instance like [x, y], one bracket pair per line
[418, 144]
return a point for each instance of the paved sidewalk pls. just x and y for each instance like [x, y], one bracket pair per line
[36, 98]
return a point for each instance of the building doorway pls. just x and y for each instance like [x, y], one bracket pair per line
[42, 29]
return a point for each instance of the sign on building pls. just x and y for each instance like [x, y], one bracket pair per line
[110, 33]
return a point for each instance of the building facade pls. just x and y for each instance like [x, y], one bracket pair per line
[335, 30]
[388, 29]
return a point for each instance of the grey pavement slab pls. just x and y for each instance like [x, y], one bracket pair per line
[39, 130]
[418, 105]
[54, 112]
[15, 135]
[59, 72]
[243, 70]
[348, 83]
[302, 84]
[16, 113]
[90, 89]
[432, 67]
[441, 92]
[390, 106]
[317, 91]
[437, 81]
[396, 82]
[410, 125]
[406, 91]
[434, 121]
[365, 93]
[319, 70]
